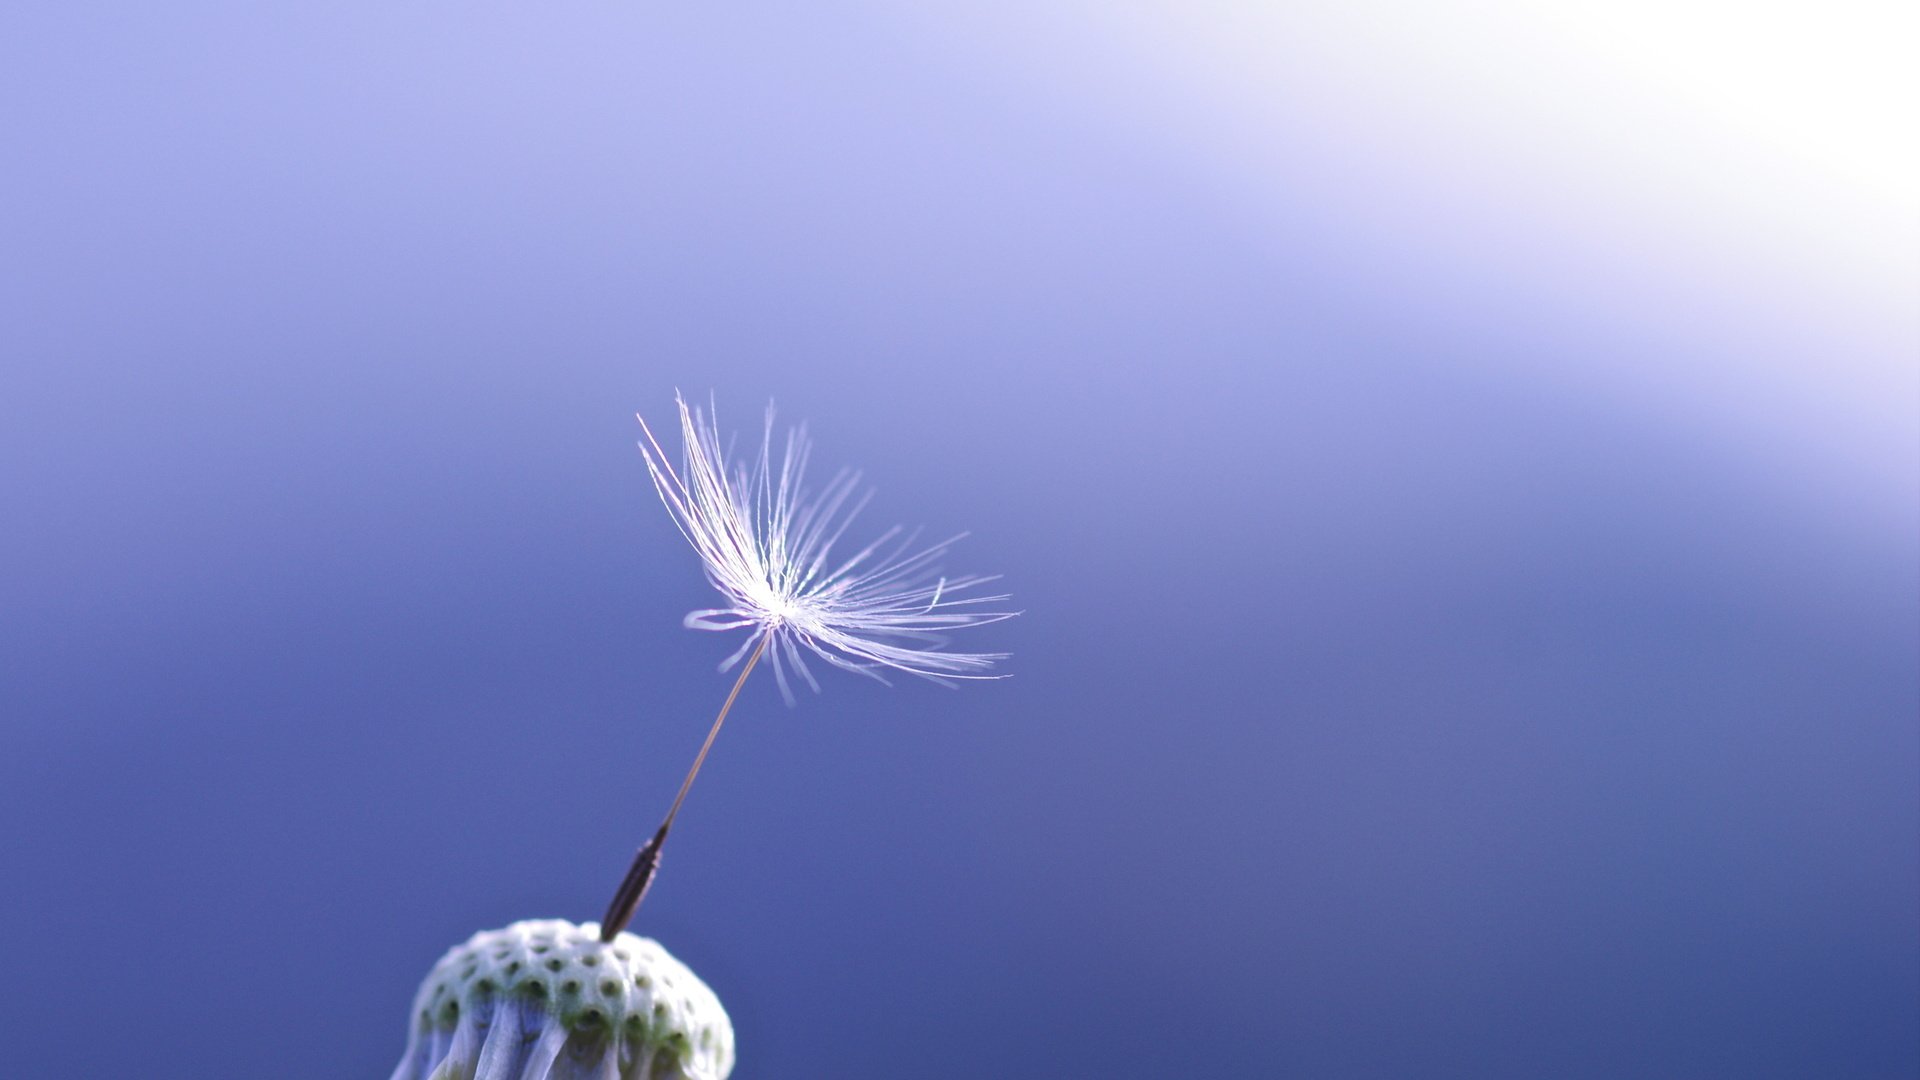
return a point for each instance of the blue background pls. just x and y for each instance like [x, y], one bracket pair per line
[1468, 550]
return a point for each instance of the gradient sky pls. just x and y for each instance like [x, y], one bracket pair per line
[1458, 462]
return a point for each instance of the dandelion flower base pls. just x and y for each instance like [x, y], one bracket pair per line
[548, 1000]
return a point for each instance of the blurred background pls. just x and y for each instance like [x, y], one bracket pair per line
[1459, 463]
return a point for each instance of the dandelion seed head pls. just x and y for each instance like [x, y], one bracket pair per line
[546, 999]
[775, 550]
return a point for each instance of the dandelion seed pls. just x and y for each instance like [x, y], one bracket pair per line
[769, 546]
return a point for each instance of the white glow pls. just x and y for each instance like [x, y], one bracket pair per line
[1748, 172]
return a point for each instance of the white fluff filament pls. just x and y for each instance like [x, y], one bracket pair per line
[767, 544]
